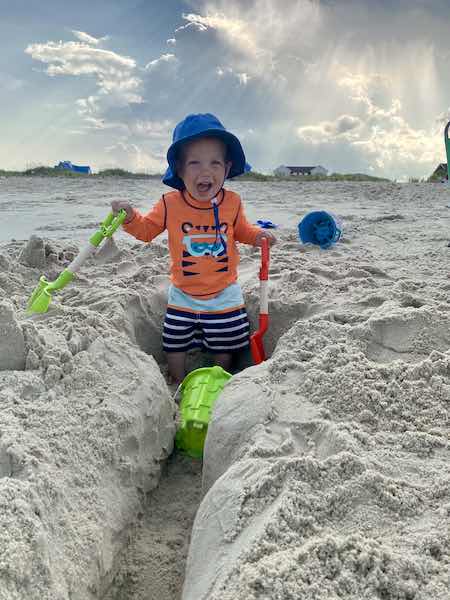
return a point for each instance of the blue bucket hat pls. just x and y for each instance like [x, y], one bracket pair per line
[198, 126]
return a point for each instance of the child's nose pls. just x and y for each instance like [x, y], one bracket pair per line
[206, 169]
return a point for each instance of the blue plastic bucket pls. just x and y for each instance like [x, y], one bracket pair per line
[321, 228]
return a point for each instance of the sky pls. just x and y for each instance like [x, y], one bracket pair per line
[352, 85]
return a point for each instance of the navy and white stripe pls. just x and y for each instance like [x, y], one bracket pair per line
[215, 332]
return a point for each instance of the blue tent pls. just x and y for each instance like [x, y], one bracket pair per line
[66, 164]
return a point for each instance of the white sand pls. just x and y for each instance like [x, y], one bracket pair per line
[326, 468]
[155, 561]
[86, 421]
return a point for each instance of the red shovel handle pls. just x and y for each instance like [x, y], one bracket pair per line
[265, 258]
[256, 340]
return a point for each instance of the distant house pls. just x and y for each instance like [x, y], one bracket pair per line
[300, 171]
[67, 165]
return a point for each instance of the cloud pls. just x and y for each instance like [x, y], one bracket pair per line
[381, 133]
[400, 145]
[344, 124]
[164, 59]
[388, 137]
[154, 130]
[374, 91]
[374, 97]
[233, 29]
[88, 39]
[118, 80]
[242, 78]
[114, 74]
[260, 33]
[442, 119]
[130, 156]
[92, 110]
[344, 127]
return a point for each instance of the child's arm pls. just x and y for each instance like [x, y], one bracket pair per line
[148, 226]
[250, 234]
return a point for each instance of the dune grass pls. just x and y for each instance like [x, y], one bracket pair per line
[45, 171]
[255, 176]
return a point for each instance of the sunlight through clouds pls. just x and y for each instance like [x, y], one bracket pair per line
[133, 157]
[381, 131]
[349, 93]
[307, 77]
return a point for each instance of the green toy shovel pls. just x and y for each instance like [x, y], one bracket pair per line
[42, 295]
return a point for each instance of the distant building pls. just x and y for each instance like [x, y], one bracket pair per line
[67, 165]
[284, 170]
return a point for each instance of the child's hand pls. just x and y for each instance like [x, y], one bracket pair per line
[263, 234]
[118, 205]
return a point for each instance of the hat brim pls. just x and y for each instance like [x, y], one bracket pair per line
[235, 154]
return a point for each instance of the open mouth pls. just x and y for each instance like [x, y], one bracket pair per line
[204, 187]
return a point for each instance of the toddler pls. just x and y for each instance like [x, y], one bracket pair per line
[204, 221]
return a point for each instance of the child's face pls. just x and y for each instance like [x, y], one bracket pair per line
[203, 167]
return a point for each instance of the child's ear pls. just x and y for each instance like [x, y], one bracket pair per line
[228, 166]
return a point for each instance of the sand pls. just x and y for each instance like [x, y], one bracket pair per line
[326, 468]
[86, 423]
[155, 560]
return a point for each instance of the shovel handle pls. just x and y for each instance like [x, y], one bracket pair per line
[265, 259]
[108, 227]
[263, 279]
[447, 148]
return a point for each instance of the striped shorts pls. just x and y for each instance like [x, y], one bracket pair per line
[223, 331]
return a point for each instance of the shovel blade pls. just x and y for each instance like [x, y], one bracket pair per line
[41, 303]
[42, 295]
[43, 283]
[257, 348]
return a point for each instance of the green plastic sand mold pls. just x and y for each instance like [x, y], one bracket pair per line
[200, 389]
[41, 297]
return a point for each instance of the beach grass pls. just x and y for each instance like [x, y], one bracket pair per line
[45, 171]
[255, 176]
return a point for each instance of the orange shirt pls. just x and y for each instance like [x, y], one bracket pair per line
[202, 264]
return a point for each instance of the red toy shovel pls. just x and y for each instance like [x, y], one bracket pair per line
[256, 340]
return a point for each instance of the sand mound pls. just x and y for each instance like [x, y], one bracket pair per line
[12, 345]
[326, 476]
[86, 423]
[326, 468]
